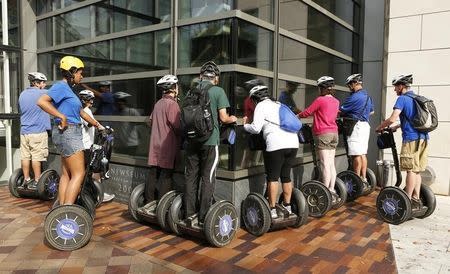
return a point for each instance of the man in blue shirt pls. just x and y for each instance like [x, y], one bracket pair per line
[414, 152]
[287, 96]
[34, 123]
[358, 105]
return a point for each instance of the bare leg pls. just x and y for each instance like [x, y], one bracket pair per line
[357, 164]
[75, 165]
[25, 169]
[272, 193]
[416, 191]
[287, 192]
[410, 183]
[63, 181]
[363, 166]
[36, 169]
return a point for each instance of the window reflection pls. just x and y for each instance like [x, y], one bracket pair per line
[203, 42]
[254, 46]
[300, 60]
[13, 23]
[262, 9]
[341, 8]
[306, 21]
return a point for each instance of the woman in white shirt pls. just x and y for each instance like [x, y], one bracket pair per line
[87, 99]
[281, 146]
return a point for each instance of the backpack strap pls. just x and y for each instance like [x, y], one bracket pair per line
[364, 108]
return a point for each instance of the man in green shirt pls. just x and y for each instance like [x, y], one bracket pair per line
[202, 158]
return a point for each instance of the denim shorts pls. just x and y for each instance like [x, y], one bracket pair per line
[69, 141]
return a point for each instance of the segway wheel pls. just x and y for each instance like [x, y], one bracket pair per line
[136, 201]
[393, 205]
[163, 207]
[300, 207]
[318, 198]
[15, 180]
[175, 214]
[68, 227]
[256, 214]
[341, 190]
[372, 180]
[353, 184]
[98, 187]
[48, 184]
[221, 224]
[428, 199]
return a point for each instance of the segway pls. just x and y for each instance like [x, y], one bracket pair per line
[219, 228]
[46, 188]
[318, 196]
[393, 204]
[257, 218]
[354, 184]
[155, 212]
[69, 227]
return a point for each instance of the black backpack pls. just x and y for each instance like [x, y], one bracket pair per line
[426, 118]
[196, 116]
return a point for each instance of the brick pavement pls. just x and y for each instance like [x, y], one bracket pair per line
[348, 240]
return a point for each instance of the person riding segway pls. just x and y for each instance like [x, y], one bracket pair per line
[37, 181]
[325, 190]
[261, 214]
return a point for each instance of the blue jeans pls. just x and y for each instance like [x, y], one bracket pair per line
[69, 141]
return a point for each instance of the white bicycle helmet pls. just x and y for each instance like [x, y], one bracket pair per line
[104, 83]
[403, 79]
[325, 82]
[357, 77]
[252, 83]
[36, 76]
[259, 93]
[121, 95]
[167, 81]
[86, 95]
[210, 69]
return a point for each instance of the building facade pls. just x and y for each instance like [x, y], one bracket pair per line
[132, 43]
[418, 42]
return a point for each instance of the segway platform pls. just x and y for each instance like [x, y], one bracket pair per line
[319, 197]
[256, 213]
[219, 229]
[46, 188]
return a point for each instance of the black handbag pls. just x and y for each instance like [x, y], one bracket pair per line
[256, 142]
[348, 123]
[305, 135]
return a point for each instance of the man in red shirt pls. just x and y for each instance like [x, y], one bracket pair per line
[165, 139]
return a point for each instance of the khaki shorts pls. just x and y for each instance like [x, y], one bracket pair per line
[34, 146]
[414, 156]
[326, 141]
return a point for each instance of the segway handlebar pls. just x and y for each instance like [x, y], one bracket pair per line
[386, 140]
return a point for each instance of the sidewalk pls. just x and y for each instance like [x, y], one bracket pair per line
[349, 240]
[423, 246]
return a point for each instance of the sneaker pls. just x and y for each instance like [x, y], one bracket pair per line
[288, 208]
[108, 197]
[365, 183]
[416, 204]
[146, 209]
[273, 213]
[335, 198]
[31, 183]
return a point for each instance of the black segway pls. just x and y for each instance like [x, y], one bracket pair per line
[46, 188]
[393, 204]
[354, 184]
[256, 213]
[155, 212]
[318, 196]
[221, 222]
[69, 227]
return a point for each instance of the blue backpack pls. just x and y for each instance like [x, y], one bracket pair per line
[288, 120]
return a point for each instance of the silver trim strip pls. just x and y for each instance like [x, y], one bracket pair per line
[329, 14]
[67, 9]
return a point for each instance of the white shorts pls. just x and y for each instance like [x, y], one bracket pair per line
[359, 140]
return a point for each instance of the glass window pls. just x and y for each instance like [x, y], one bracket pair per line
[44, 33]
[203, 42]
[262, 9]
[13, 23]
[341, 8]
[142, 52]
[304, 61]
[73, 26]
[306, 21]
[254, 46]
